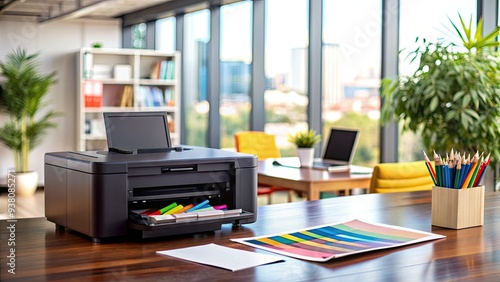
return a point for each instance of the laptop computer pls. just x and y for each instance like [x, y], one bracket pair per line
[338, 151]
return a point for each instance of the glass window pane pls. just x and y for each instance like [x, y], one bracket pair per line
[165, 34]
[286, 48]
[235, 76]
[436, 25]
[196, 38]
[351, 72]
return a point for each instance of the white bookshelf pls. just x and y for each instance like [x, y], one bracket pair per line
[145, 80]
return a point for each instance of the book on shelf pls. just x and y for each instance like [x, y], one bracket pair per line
[170, 70]
[92, 93]
[88, 61]
[163, 69]
[155, 71]
[170, 120]
[150, 96]
[168, 95]
[127, 97]
[157, 96]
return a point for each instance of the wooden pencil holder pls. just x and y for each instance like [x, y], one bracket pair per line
[457, 208]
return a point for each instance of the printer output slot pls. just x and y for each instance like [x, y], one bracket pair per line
[151, 193]
[175, 196]
[144, 228]
[183, 199]
[144, 219]
[157, 204]
[178, 168]
[163, 191]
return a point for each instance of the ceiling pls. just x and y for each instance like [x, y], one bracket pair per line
[50, 10]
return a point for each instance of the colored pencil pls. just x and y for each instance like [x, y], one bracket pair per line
[451, 172]
[430, 169]
[474, 163]
[465, 170]
[483, 170]
[456, 171]
[474, 175]
[457, 174]
[463, 174]
[437, 164]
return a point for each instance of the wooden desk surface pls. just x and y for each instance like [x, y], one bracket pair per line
[472, 254]
[310, 181]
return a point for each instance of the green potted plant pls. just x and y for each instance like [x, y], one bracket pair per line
[97, 44]
[23, 90]
[453, 98]
[305, 142]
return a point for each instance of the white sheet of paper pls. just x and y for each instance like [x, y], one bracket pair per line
[222, 257]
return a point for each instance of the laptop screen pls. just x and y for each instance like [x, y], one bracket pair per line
[137, 130]
[341, 145]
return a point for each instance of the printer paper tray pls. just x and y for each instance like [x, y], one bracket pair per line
[148, 230]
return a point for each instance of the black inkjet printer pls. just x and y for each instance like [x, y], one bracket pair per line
[105, 193]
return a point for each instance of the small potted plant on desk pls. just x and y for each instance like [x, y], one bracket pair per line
[22, 90]
[305, 142]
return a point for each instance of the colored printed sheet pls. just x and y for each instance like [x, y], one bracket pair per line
[322, 243]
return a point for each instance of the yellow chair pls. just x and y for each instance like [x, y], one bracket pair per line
[400, 177]
[263, 145]
[258, 143]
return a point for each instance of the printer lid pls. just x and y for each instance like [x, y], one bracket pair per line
[113, 162]
[137, 130]
[142, 139]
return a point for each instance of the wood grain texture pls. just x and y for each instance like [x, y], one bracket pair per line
[457, 208]
[472, 254]
[310, 181]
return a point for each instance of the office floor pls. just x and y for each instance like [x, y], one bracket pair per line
[34, 206]
[24, 206]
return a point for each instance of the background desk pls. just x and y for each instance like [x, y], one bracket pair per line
[472, 254]
[310, 181]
